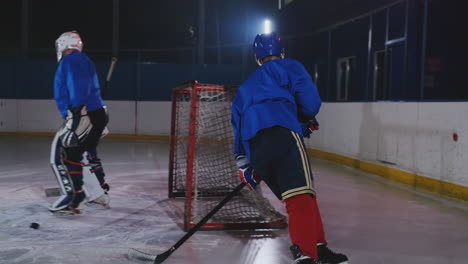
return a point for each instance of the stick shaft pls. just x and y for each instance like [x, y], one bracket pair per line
[157, 259]
[109, 75]
[208, 216]
[111, 69]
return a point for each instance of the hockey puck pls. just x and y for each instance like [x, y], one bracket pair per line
[34, 225]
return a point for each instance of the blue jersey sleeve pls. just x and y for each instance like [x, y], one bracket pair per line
[305, 92]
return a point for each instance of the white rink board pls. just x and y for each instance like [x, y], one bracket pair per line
[126, 117]
[8, 115]
[416, 137]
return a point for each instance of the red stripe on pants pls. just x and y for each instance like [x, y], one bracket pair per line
[305, 224]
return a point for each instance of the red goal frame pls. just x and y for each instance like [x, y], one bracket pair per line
[189, 93]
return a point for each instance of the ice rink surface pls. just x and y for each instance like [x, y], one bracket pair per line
[369, 219]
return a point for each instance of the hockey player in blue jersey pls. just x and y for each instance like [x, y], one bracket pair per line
[271, 113]
[78, 97]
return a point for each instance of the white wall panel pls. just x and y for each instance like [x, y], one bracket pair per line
[388, 131]
[438, 155]
[341, 127]
[416, 137]
[404, 131]
[154, 118]
[369, 131]
[8, 115]
[38, 116]
[122, 117]
[126, 117]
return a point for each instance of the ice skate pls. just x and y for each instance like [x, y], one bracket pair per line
[102, 201]
[300, 259]
[69, 210]
[327, 256]
[68, 204]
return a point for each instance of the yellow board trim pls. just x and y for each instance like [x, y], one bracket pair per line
[418, 182]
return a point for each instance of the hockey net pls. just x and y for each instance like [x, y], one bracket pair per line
[202, 167]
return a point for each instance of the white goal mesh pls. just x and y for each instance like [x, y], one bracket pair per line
[202, 166]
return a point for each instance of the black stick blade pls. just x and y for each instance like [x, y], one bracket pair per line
[138, 255]
[135, 254]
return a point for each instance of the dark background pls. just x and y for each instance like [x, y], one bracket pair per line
[419, 46]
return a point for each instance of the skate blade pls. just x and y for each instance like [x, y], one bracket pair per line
[98, 205]
[102, 201]
[67, 212]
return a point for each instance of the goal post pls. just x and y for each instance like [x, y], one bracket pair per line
[201, 164]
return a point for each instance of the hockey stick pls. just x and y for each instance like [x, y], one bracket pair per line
[109, 75]
[139, 255]
[52, 192]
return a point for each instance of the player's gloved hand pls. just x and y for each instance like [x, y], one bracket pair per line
[309, 127]
[105, 132]
[247, 174]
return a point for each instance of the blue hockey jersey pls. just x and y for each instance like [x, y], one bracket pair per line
[279, 93]
[76, 83]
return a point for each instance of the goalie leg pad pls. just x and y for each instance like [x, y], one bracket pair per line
[75, 170]
[69, 182]
[58, 167]
[69, 204]
[71, 200]
[96, 168]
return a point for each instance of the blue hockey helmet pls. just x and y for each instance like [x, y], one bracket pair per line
[267, 45]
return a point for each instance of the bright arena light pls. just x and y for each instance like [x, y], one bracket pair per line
[267, 26]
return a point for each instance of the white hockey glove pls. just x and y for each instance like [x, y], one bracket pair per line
[247, 174]
[105, 132]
